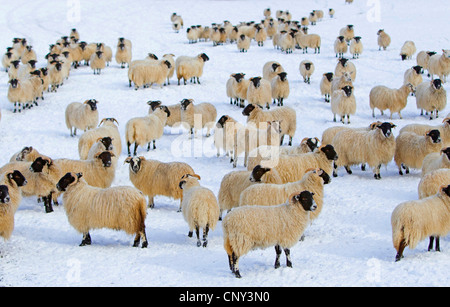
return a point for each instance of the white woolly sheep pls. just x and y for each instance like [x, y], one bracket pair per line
[413, 221]
[422, 129]
[431, 97]
[97, 62]
[436, 160]
[348, 32]
[243, 43]
[25, 69]
[339, 82]
[108, 127]
[157, 72]
[285, 115]
[107, 52]
[174, 119]
[146, 129]
[7, 58]
[11, 184]
[82, 116]
[356, 47]
[154, 177]
[306, 68]
[101, 145]
[198, 116]
[411, 149]
[423, 57]
[123, 55]
[383, 98]
[88, 207]
[281, 226]
[233, 183]
[13, 71]
[413, 75]
[199, 207]
[169, 57]
[431, 182]
[280, 88]
[383, 39]
[343, 103]
[375, 147]
[331, 12]
[340, 46]
[56, 75]
[259, 92]
[20, 93]
[260, 35]
[287, 41]
[270, 194]
[325, 85]
[305, 41]
[344, 65]
[225, 135]
[190, 67]
[329, 133]
[271, 69]
[407, 51]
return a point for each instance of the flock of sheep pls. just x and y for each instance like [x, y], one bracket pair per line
[281, 191]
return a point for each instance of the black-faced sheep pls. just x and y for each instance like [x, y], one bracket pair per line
[190, 68]
[431, 97]
[383, 39]
[343, 103]
[407, 50]
[198, 116]
[82, 116]
[383, 98]
[439, 65]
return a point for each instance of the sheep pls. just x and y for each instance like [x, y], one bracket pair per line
[13, 70]
[281, 226]
[325, 85]
[375, 147]
[25, 69]
[430, 183]
[169, 57]
[243, 43]
[339, 82]
[383, 39]
[83, 116]
[267, 194]
[259, 92]
[287, 41]
[329, 133]
[271, 69]
[88, 207]
[344, 65]
[74, 33]
[260, 35]
[107, 52]
[306, 68]
[174, 119]
[56, 75]
[413, 75]
[123, 55]
[407, 51]
[422, 129]
[101, 145]
[331, 12]
[231, 83]
[340, 46]
[97, 62]
[108, 127]
[156, 72]
[199, 207]
[356, 47]
[343, 103]
[234, 182]
[431, 97]
[198, 116]
[154, 177]
[11, 184]
[225, 135]
[280, 88]
[312, 18]
[413, 221]
[436, 160]
[285, 115]
[423, 57]
[411, 149]
[192, 34]
[348, 33]
[27, 154]
[190, 67]
[20, 93]
[6, 60]
[383, 98]
[146, 129]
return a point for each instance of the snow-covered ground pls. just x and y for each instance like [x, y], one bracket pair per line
[348, 245]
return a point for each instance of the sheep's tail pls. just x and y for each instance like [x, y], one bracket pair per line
[227, 245]
[397, 234]
[142, 214]
[130, 133]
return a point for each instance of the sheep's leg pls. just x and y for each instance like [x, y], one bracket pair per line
[205, 235]
[198, 80]
[334, 170]
[347, 168]
[376, 171]
[430, 246]
[135, 148]
[86, 239]
[128, 148]
[143, 236]
[47, 203]
[197, 233]
[287, 252]
[400, 250]
[235, 264]
[74, 131]
[277, 257]
[150, 204]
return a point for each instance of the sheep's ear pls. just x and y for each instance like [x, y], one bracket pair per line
[127, 160]
[99, 139]
[79, 175]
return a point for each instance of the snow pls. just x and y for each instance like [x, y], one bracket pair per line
[348, 245]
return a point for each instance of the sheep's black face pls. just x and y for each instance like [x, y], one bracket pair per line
[282, 76]
[329, 152]
[38, 165]
[165, 109]
[93, 104]
[257, 172]
[341, 38]
[348, 90]
[4, 194]
[18, 178]
[275, 66]
[403, 56]
[221, 121]
[99, 54]
[107, 142]
[431, 53]
[305, 199]
[65, 181]
[435, 135]
[182, 182]
[168, 64]
[185, 103]
[329, 76]
[135, 164]
[326, 178]
[154, 104]
[32, 63]
[248, 109]
[106, 158]
[343, 61]
[15, 64]
[311, 143]
[238, 77]
[418, 69]
[446, 190]
[437, 84]
[386, 128]
[357, 38]
[44, 71]
[204, 57]
[307, 66]
[256, 81]
[242, 37]
[446, 151]
[14, 83]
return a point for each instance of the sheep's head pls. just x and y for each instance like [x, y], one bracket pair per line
[185, 103]
[437, 84]
[341, 38]
[165, 109]
[4, 194]
[238, 77]
[380, 31]
[347, 90]
[431, 53]
[386, 128]
[312, 143]
[23, 153]
[92, 103]
[154, 104]
[435, 136]
[445, 190]
[107, 142]
[14, 83]
[32, 63]
[242, 37]
[305, 199]
[221, 122]
[248, 109]
[188, 177]
[17, 177]
[446, 151]
[135, 163]
[256, 81]
[105, 157]
[167, 63]
[257, 173]
[329, 76]
[343, 62]
[329, 152]
[204, 57]
[283, 75]
[15, 63]
[68, 180]
[44, 71]
[404, 56]
[350, 27]
[275, 66]
[324, 175]
[418, 69]
[99, 54]
[357, 39]
[38, 165]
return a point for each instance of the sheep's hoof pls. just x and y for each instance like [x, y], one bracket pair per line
[199, 243]
[144, 244]
[377, 176]
[190, 234]
[237, 274]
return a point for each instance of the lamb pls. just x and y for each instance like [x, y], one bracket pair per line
[430, 183]
[233, 183]
[174, 119]
[413, 75]
[413, 221]
[10, 198]
[343, 103]
[108, 127]
[431, 97]
[325, 85]
[97, 62]
[343, 65]
[422, 129]
[199, 206]
[423, 57]
[154, 177]
[267, 194]
[20, 93]
[123, 55]
[147, 129]
[243, 43]
[356, 47]
[83, 116]
[383, 39]
[374, 147]
[285, 115]
[281, 226]
[190, 67]
[383, 98]
[204, 112]
[259, 92]
[340, 46]
[411, 149]
[436, 160]
[408, 50]
[306, 68]
[280, 88]
[88, 207]
[348, 33]
[271, 69]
